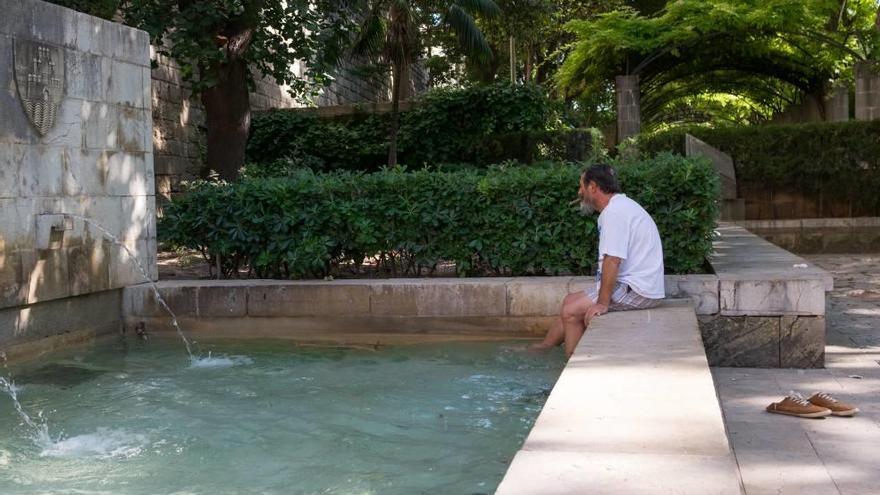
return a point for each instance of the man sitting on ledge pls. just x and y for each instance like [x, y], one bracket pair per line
[630, 273]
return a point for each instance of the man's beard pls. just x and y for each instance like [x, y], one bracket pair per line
[586, 208]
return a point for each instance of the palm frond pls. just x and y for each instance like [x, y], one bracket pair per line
[371, 36]
[401, 39]
[468, 33]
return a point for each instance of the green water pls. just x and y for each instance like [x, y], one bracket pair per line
[272, 418]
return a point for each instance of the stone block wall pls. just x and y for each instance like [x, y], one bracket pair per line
[867, 82]
[179, 123]
[348, 88]
[96, 160]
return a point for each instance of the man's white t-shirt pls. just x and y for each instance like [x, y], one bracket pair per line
[628, 232]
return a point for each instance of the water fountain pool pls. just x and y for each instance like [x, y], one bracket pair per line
[268, 417]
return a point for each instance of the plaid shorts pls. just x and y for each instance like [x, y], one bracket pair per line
[623, 298]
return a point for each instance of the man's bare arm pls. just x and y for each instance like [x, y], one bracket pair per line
[610, 268]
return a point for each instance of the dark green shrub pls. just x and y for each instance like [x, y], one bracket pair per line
[445, 126]
[495, 221]
[569, 145]
[838, 160]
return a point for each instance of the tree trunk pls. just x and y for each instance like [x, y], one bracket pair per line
[228, 118]
[407, 86]
[527, 72]
[396, 78]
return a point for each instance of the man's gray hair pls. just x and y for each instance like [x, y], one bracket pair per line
[604, 176]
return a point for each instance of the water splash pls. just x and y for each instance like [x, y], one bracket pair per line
[220, 361]
[147, 279]
[38, 429]
[104, 443]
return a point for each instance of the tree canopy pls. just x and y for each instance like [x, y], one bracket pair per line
[766, 54]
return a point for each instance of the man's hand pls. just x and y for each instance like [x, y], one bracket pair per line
[595, 310]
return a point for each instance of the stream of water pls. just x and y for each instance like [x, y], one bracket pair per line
[39, 430]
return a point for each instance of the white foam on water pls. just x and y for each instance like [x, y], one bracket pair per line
[219, 361]
[104, 443]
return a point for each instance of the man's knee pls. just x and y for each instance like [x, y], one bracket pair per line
[574, 306]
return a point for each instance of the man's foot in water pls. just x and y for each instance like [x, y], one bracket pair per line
[539, 347]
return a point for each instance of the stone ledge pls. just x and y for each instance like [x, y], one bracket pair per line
[828, 223]
[517, 297]
[593, 436]
[35, 328]
[758, 310]
[740, 255]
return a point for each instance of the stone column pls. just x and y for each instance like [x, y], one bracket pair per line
[629, 119]
[837, 106]
[867, 91]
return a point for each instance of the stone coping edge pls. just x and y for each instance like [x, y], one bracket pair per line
[752, 278]
[612, 424]
[502, 298]
[812, 223]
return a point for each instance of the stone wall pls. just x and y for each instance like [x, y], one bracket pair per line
[770, 203]
[179, 123]
[820, 235]
[867, 81]
[771, 305]
[94, 159]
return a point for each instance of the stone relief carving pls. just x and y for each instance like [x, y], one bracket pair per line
[39, 78]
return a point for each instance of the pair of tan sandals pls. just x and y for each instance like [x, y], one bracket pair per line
[819, 405]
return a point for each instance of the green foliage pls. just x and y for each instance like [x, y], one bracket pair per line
[270, 36]
[768, 53]
[497, 221]
[838, 160]
[104, 9]
[446, 125]
[536, 26]
[571, 145]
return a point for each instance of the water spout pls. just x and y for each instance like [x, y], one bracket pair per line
[144, 274]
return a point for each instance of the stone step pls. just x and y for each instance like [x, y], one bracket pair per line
[634, 412]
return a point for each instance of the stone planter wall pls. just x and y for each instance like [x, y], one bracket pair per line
[763, 307]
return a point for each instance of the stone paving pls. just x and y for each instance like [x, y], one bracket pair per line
[786, 455]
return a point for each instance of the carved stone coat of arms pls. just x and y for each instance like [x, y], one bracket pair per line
[39, 77]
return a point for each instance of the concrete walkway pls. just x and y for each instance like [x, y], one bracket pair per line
[634, 412]
[783, 455]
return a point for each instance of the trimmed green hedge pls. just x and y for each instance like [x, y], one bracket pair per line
[496, 221]
[839, 160]
[445, 126]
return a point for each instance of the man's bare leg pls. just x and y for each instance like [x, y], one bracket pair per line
[574, 307]
[554, 337]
